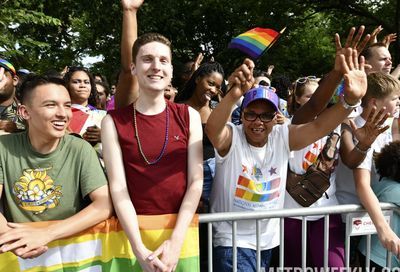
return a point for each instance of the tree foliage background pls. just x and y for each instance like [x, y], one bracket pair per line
[42, 35]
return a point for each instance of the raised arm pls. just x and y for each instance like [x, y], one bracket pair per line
[122, 202]
[355, 80]
[374, 35]
[217, 131]
[388, 39]
[389, 240]
[127, 87]
[352, 155]
[327, 86]
[396, 72]
[171, 248]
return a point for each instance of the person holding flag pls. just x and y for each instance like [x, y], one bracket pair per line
[252, 159]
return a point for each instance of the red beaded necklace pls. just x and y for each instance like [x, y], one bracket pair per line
[138, 140]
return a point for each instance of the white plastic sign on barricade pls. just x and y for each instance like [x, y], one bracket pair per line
[361, 224]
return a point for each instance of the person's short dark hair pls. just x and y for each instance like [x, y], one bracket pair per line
[53, 73]
[205, 69]
[261, 73]
[387, 161]
[148, 38]
[93, 91]
[101, 76]
[367, 52]
[22, 74]
[32, 81]
[282, 84]
[105, 86]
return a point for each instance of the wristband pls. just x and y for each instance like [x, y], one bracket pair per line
[347, 106]
[360, 150]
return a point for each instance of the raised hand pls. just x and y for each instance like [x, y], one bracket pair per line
[355, 78]
[374, 126]
[131, 4]
[388, 39]
[197, 62]
[374, 35]
[269, 69]
[351, 42]
[280, 118]
[241, 80]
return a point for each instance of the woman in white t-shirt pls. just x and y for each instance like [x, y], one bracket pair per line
[308, 102]
[303, 90]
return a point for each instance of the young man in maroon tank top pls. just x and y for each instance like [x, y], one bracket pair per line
[153, 152]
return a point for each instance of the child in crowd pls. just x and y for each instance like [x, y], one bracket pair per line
[354, 180]
[387, 189]
[308, 99]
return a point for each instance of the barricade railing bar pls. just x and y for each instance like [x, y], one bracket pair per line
[210, 218]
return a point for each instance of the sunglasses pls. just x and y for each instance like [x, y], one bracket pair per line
[264, 117]
[302, 80]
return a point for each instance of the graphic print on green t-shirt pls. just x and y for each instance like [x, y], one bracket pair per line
[36, 192]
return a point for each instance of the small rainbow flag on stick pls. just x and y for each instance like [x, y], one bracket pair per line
[255, 41]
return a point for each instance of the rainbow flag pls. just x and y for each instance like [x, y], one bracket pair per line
[255, 41]
[105, 247]
[250, 190]
[338, 93]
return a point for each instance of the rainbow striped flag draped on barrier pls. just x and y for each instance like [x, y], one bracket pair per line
[105, 247]
[255, 41]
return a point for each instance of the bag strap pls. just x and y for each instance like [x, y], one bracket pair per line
[326, 158]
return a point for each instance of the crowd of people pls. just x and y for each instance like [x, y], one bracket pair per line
[75, 150]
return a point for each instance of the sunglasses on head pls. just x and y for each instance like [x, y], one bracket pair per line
[302, 80]
[264, 117]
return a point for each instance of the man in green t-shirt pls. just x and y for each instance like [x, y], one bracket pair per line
[48, 175]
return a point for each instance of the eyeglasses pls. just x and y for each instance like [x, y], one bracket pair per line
[302, 80]
[264, 117]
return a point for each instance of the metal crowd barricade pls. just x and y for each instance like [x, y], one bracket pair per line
[353, 212]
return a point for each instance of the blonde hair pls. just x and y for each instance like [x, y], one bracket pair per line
[296, 91]
[380, 86]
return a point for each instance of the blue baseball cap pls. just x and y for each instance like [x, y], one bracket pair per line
[24, 71]
[261, 93]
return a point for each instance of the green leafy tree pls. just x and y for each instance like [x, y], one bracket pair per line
[40, 35]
